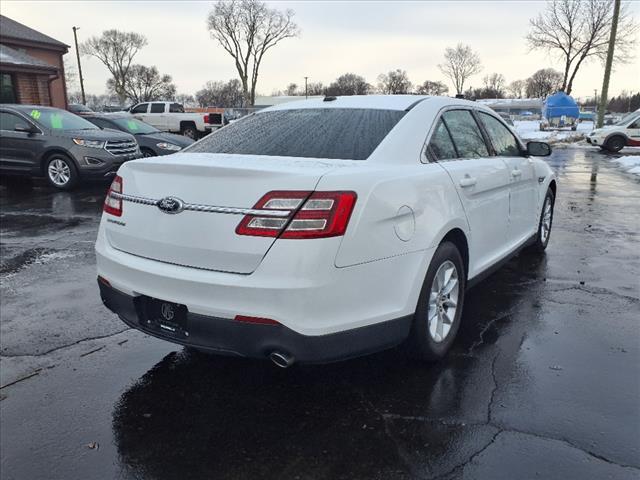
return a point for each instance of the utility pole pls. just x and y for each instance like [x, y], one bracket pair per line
[595, 100]
[306, 89]
[607, 67]
[75, 38]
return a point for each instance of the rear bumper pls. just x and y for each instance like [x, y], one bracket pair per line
[295, 284]
[229, 337]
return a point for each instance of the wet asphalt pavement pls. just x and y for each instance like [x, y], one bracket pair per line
[543, 381]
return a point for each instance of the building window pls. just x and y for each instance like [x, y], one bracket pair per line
[7, 90]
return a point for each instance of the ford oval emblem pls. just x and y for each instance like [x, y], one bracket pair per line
[170, 205]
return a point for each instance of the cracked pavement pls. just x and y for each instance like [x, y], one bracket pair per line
[543, 381]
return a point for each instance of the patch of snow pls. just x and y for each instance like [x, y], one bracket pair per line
[530, 130]
[629, 163]
[52, 256]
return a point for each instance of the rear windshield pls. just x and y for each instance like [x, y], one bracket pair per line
[340, 133]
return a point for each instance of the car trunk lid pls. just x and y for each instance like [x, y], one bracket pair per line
[202, 236]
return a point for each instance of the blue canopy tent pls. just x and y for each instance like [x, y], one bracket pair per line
[560, 110]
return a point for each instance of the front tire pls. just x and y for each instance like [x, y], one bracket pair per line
[61, 172]
[615, 143]
[437, 318]
[545, 224]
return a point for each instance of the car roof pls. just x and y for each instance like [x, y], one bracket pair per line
[374, 102]
[109, 115]
[370, 102]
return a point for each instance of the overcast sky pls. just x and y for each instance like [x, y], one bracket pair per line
[366, 38]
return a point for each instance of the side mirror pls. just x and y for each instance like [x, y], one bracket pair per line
[538, 149]
[25, 128]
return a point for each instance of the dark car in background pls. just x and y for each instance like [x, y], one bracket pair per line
[152, 141]
[79, 109]
[61, 146]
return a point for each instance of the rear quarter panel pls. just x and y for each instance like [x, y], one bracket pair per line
[400, 209]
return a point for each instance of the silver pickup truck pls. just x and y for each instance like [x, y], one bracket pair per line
[171, 117]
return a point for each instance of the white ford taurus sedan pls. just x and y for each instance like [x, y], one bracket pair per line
[323, 229]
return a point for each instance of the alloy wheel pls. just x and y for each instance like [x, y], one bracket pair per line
[443, 301]
[545, 225]
[59, 172]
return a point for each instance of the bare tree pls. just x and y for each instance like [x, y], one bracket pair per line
[460, 63]
[544, 82]
[116, 50]
[70, 75]
[577, 31]
[396, 82]
[221, 94]
[247, 29]
[292, 89]
[517, 88]
[495, 83]
[315, 88]
[349, 84]
[186, 100]
[145, 84]
[432, 88]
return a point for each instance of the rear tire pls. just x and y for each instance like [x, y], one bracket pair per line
[190, 132]
[437, 318]
[615, 143]
[545, 223]
[61, 172]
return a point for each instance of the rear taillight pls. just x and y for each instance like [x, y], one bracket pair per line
[312, 215]
[206, 119]
[112, 205]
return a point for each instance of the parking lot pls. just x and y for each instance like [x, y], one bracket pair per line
[544, 377]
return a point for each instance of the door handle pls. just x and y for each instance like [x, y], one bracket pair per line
[468, 181]
[516, 173]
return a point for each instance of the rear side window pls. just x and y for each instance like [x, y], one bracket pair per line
[466, 134]
[176, 108]
[157, 108]
[142, 108]
[441, 145]
[101, 123]
[336, 133]
[504, 143]
[9, 121]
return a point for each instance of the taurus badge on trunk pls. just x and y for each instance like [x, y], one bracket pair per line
[170, 205]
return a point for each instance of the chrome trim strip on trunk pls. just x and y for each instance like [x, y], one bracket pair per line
[205, 208]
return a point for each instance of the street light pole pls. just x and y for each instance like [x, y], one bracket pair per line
[306, 89]
[75, 38]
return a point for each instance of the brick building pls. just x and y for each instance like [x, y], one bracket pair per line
[31, 66]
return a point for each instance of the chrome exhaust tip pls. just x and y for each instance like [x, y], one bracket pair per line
[281, 359]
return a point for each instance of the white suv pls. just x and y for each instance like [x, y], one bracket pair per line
[625, 133]
[323, 229]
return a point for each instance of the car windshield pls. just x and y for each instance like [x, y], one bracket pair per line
[335, 133]
[59, 119]
[134, 126]
[627, 119]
